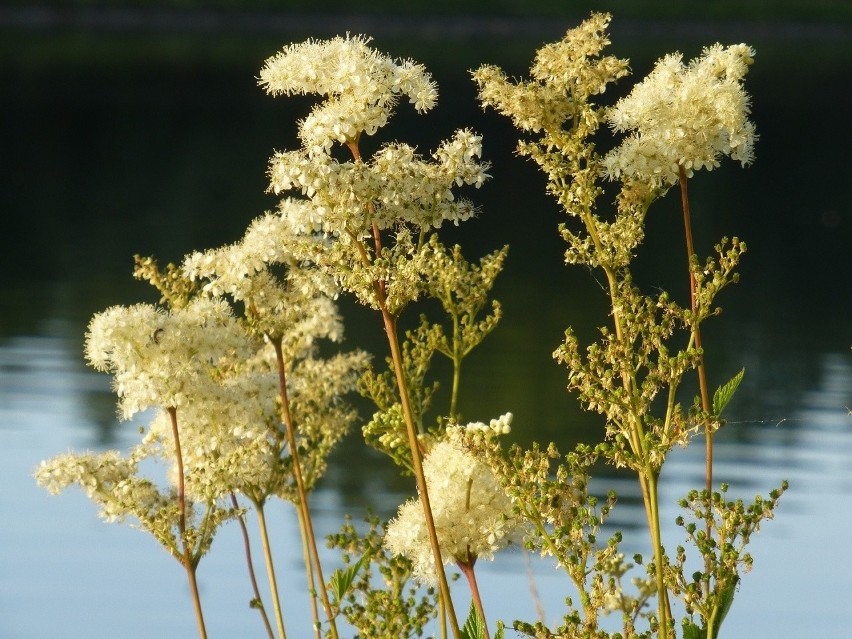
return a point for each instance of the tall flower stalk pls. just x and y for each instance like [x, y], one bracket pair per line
[679, 119]
[188, 561]
[247, 405]
[683, 118]
[257, 602]
[352, 204]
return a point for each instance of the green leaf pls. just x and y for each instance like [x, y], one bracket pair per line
[501, 630]
[725, 392]
[342, 580]
[474, 627]
[691, 631]
[726, 598]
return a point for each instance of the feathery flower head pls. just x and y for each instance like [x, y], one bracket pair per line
[297, 307]
[362, 87]
[161, 358]
[472, 512]
[400, 186]
[685, 116]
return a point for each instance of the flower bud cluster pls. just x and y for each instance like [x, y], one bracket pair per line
[498, 426]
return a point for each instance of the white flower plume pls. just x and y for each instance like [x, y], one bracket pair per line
[685, 116]
[362, 86]
[472, 512]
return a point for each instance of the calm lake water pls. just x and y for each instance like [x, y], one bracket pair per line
[123, 143]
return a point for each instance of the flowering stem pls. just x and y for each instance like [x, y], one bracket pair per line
[305, 513]
[467, 568]
[393, 341]
[457, 360]
[187, 560]
[702, 372]
[443, 612]
[663, 606]
[258, 602]
[636, 435]
[396, 356]
[309, 573]
[270, 569]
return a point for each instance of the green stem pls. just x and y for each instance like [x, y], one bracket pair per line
[457, 360]
[187, 560]
[270, 570]
[702, 371]
[308, 529]
[636, 433]
[252, 578]
[663, 605]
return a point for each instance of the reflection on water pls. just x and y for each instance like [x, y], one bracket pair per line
[169, 157]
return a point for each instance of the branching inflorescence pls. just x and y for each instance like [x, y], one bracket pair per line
[247, 402]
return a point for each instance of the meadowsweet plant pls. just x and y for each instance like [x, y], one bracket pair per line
[247, 391]
[378, 217]
[680, 119]
[244, 404]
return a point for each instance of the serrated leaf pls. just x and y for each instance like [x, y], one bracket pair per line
[691, 631]
[725, 392]
[342, 580]
[474, 627]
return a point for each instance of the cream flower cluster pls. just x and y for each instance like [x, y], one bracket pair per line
[397, 185]
[227, 441]
[685, 116]
[160, 358]
[298, 307]
[230, 269]
[362, 85]
[109, 479]
[89, 470]
[472, 513]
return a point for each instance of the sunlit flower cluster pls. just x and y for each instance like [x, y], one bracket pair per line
[112, 481]
[235, 442]
[472, 512]
[91, 471]
[163, 358]
[685, 116]
[296, 306]
[396, 185]
[361, 84]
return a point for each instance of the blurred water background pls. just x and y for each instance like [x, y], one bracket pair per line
[139, 132]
